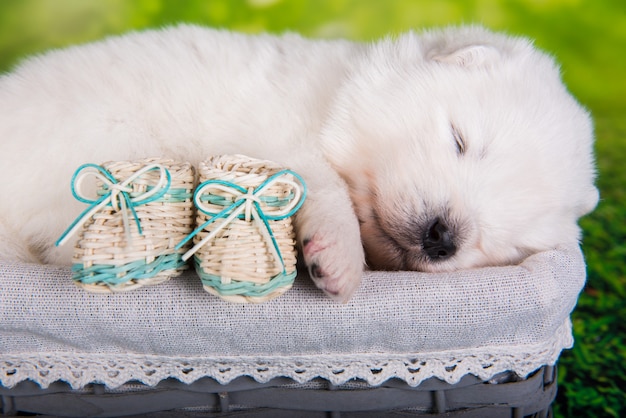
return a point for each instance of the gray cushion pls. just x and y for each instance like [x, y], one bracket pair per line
[399, 324]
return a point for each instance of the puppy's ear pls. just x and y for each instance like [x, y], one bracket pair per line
[470, 56]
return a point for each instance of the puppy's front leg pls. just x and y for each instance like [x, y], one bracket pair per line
[329, 236]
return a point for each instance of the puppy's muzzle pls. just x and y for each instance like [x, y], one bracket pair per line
[438, 241]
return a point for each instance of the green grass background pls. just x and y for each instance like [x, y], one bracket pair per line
[588, 37]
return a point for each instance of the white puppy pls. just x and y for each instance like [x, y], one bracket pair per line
[437, 151]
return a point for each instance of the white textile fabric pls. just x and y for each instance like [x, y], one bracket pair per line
[405, 325]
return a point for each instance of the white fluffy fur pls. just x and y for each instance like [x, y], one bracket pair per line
[373, 129]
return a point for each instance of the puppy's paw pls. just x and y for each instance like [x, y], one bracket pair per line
[335, 262]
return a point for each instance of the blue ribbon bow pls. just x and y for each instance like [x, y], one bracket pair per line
[119, 195]
[246, 205]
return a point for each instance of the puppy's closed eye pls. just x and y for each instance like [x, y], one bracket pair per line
[459, 140]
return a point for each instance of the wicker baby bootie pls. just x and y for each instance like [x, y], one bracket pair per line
[128, 235]
[245, 243]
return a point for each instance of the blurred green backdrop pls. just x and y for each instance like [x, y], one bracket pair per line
[588, 37]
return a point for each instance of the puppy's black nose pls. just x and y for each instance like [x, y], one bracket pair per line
[438, 241]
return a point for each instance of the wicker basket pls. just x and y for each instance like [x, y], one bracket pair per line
[129, 234]
[245, 245]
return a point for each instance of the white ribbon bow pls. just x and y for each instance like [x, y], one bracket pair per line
[118, 195]
[247, 203]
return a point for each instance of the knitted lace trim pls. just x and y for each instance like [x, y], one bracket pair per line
[114, 370]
